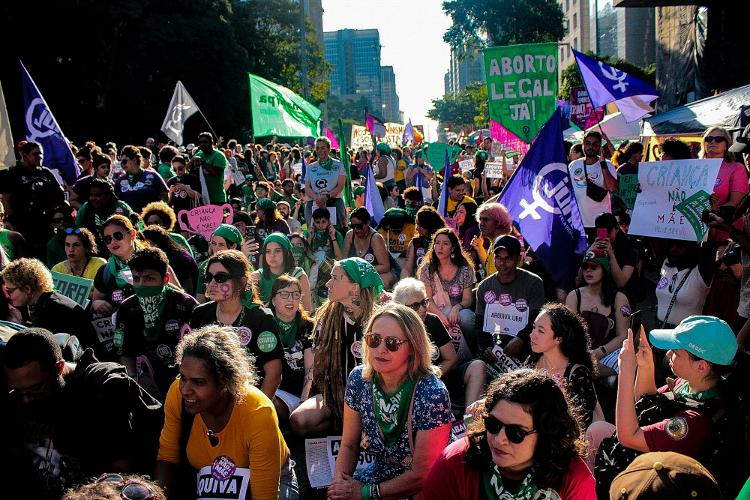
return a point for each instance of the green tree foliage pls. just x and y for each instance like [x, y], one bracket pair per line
[503, 22]
[108, 69]
[571, 77]
[463, 111]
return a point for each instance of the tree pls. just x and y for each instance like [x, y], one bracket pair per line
[571, 77]
[463, 111]
[477, 23]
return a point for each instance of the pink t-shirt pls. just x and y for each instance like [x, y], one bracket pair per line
[732, 178]
[452, 479]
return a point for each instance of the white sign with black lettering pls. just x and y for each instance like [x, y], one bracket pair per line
[505, 319]
[320, 456]
[494, 170]
[226, 484]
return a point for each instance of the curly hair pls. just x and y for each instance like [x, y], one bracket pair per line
[559, 435]
[28, 273]
[132, 152]
[225, 357]
[499, 213]
[162, 210]
[459, 256]
[573, 331]
[239, 269]
[112, 490]
[87, 239]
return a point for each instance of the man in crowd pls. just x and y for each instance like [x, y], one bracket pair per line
[456, 194]
[210, 163]
[593, 178]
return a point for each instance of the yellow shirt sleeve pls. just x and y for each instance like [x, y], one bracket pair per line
[169, 442]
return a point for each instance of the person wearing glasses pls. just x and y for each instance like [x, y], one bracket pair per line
[81, 250]
[363, 242]
[138, 187]
[233, 302]
[114, 486]
[528, 445]
[219, 422]
[396, 410]
[278, 259]
[101, 205]
[184, 187]
[113, 283]
[295, 328]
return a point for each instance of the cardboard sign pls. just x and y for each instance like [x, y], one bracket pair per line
[205, 219]
[361, 138]
[493, 170]
[466, 165]
[321, 455]
[673, 196]
[73, 287]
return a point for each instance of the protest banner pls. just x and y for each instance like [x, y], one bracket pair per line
[276, 110]
[466, 165]
[394, 134]
[493, 170]
[582, 113]
[522, 86]
[73, 287]
[205, 219]
[673, 196]
[626, 187]
[436, 154]
[320, 457]
[361, 138]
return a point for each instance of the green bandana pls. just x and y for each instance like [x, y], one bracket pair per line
[493, 486]
[391, 409]
[229, 233]
[279, 238]
[134, 178]
[363, 273]
[116, 268]
[152, 299]
[359, 190]
[411, 211]
[287, 332]
[266, 204]
[327, 163]
[300, 258]
[266, 285]
[482, 155]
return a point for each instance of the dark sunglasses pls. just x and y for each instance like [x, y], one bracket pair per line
[515, 433]
[712, 138]
[357, 227]
[213, 439]
[417, 305]
[220, 277]
[589, 266]
[72, 230]
[391, 343]
[129, 490]
[117, 235]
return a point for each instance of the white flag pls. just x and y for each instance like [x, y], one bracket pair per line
[180, 109]
[7, 156]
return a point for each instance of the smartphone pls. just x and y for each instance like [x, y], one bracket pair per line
[602, 233]
[636, 333]
[250, 233]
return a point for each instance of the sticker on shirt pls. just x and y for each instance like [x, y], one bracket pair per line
[357, 350]
[235, 486]
[171, 327]
[118, 296]
[163, 351]
[369, 258]
[245, 335]
[522, 305]
[579, 178]
[454, 290]
[267, 341]
[505, 299]
[677, 428]
[662, 283]
[434, 352]
[490, 297]
[625, 311]
[504, 319]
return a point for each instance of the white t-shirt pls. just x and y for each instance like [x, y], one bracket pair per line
[589, 208]
[690, 297]
[322, 179]
[390, 169]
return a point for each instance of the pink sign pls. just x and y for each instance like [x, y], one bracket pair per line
[205, 219]
[582, 113]
[507, 138]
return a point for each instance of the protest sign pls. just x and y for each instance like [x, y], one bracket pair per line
[626, 186]
[436, 154]
[493, 170]
[361, 138]
[276, 110]
[582, 113]
[466, 165]
[673, 196]
[394, 134]
[73, 287]
[205, 219]
[522, 86]
[321, 455]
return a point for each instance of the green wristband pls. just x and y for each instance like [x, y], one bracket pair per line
[366, 492]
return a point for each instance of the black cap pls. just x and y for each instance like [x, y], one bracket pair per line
[507, 242]
[742, 142]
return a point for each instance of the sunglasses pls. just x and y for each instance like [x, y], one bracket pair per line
[713, 138]
[117, 236]
[284, 294]
[356, 227]
[418, 305]
[213, 439]
[129, 490]
[587, 266]
[220, 277]
[393, 344]
[515, 433]
[72, 230]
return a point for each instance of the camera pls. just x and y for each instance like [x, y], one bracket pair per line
[726, 212]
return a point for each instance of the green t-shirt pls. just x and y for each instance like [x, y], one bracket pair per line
[214, 182]
[322, 241]
[165, 170]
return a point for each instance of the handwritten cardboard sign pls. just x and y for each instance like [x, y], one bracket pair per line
[205, 219]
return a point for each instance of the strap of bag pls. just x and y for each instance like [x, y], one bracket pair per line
[674, 296]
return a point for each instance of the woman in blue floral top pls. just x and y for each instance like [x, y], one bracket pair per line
[397, 410]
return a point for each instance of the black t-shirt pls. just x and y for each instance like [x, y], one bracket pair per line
[131, 339]
[59, 314]
[256, 329]
[293, 367]
[106, 283]
[35, 193]
[82, 186]
[438, 336]
[180, 199]
[184, 266]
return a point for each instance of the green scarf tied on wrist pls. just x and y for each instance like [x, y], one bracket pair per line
[363, 273]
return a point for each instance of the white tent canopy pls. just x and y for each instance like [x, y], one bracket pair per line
[617, 129]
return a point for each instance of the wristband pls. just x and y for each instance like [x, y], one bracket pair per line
[603, 349]
[376, 492]
[366, 492]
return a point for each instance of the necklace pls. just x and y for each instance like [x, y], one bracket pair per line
[238, 320]
[77, 273]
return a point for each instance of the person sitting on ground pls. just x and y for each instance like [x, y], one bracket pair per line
[494, 220]
[114, 486]
[363, 242]
[101, 205]
[427, 222]
[324, 237]
[158, 213]
[81, 249]
[225, 237]
[180, 260]
[278, 259]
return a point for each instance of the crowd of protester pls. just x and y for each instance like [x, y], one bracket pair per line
[435, 344]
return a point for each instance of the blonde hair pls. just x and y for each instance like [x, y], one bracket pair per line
[728, 156]
[29, 273]
[420, 361]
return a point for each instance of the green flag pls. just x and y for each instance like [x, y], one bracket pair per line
[522, 86]
[348, 198]
[436, 154]
[276, 110]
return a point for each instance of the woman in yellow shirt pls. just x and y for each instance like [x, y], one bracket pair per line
[80, 247]
[232, 434]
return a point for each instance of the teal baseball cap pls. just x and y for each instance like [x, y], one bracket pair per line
[707, 337]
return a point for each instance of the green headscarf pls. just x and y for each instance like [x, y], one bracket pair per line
[279, 238]
[265, 204]
[359, 190]
[229, 233]
[363, 273]
[383, 148]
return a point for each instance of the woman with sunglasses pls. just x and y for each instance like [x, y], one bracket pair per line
[225, 237]
[295, 328]
[80, 248]
[396, 410]
[361, 241]
[527, 445]
[278, 259]
[234, 303]
[731, 183]
[219, 423]
[101, 205]
[604, 308]
[353, 291]
[427, 222]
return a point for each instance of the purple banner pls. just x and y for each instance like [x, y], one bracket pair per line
[582, 113]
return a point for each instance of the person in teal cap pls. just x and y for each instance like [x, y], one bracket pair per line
[353, 291]
[385, 167]
[693, 414]
[278, 259]
[225, 237]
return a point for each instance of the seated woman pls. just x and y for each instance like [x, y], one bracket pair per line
[217, 420]
[269, 219]
[353, 290]
[427, 223]
[101, 205]
[363, 242]
[232, 302]
[295, 328]
[158, 213]
[80, 248]
[225, 237]
[468, 227]
[113, 282]
[397, 410]
[528, 445]
[560, 345]
[278, 259]
[605, 310]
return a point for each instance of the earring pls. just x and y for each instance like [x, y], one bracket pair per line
[453, 256]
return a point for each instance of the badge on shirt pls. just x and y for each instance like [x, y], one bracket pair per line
[356, 349]
[267, 341]
[677, 428]
[244, 334]
[223, 468]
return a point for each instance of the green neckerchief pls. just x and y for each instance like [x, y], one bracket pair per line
[391, 409]
[493, 486]
[152, 299]
[287, 331]
[116, 267]
[684, 390]
[134, 178]
[266, 285]
[327, 163]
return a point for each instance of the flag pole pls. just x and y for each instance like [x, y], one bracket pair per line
[216, 137]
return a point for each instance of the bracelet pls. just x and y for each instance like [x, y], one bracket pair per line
[375, 492]
[603, 349]
[366, 492]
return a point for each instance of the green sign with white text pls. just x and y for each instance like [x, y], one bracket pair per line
[276, 110]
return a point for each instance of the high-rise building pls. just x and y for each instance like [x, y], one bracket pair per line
[577, 30]
[390, 102]
[314, 12]
[464, 70]
[629, 34]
